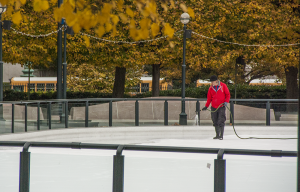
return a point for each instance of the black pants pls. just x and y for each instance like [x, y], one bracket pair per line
[218, 117]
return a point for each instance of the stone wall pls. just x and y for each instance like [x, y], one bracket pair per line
[19, 112]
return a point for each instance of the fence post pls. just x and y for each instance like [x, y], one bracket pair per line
[49, 114]
[25, 117]
[110, 113]
[24, 174]
[166, 108]
[220, 173]
[118, 171]
[136, 113]
[232, 113]
[66, 114]
[38, 116]
[198, 111]
[12, 118]
[268, 113]
[87, 114]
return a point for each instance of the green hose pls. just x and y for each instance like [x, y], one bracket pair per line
[235, 130]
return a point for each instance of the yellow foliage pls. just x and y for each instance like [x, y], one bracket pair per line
[108, 16]
[108, 27]
[106, 9]
[129, 12]
[57, 15]
[37, 5]
[133, 33]
[114, 32]
[44, 5]
[100, 31]
[71, 19]
[132, 23]
[164, 6]
[145, 23]
[76, 28]
[123, 17]
[154, 29]
[87, 41]
[183, 7]
[120, 4]
[168, 30]
[172, 45]
[17, 18]
[72, 2]
[18, 5]
[190, 11]
[102, 19]
[172, 4]
[40, 5]
[115, 19]
[79, 4]
[151, 7]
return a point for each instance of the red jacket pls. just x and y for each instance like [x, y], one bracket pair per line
[218, 97]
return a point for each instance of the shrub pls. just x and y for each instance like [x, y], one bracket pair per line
[242, 92]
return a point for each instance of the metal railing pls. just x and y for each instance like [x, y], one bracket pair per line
[64, 103]
[118, 159]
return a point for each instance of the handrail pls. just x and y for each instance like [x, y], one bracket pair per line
[149, 148]
[64, 104]
[139, 99]
[118, 159]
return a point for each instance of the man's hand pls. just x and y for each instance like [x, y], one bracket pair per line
[225, 104]
[204, 108]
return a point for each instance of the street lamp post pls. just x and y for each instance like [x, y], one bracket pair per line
[2, 10]
[59, 58]
[184, 18]
[67, 30]
[65, 63]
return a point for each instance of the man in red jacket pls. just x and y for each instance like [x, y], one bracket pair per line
[218, 96]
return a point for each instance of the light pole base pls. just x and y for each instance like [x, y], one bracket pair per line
[1, 113]
[182, 119]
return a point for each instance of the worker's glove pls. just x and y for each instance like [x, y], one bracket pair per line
[204, 108]
[225, 104]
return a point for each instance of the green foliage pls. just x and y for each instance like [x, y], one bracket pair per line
[243, 92]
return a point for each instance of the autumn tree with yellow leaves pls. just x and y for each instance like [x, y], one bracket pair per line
[106, 19]
[267, 22]
[261, 22]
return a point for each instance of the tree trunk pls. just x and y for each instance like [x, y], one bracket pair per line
[155, 80]
[291, 86]
[119, 84]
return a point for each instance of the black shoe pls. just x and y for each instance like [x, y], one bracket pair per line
[216, 137]
[220, 138]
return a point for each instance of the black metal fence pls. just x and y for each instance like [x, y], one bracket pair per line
[118, 159]
[63, 109]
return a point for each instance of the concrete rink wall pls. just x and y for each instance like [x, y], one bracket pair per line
[154, 110]
[125, 135]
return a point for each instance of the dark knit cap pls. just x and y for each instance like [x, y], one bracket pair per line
[213, 78]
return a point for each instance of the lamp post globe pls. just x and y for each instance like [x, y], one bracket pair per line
[185, 18]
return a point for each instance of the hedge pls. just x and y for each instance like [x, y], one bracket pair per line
[243, 92]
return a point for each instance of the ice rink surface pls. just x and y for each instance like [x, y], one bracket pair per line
[77, 170]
